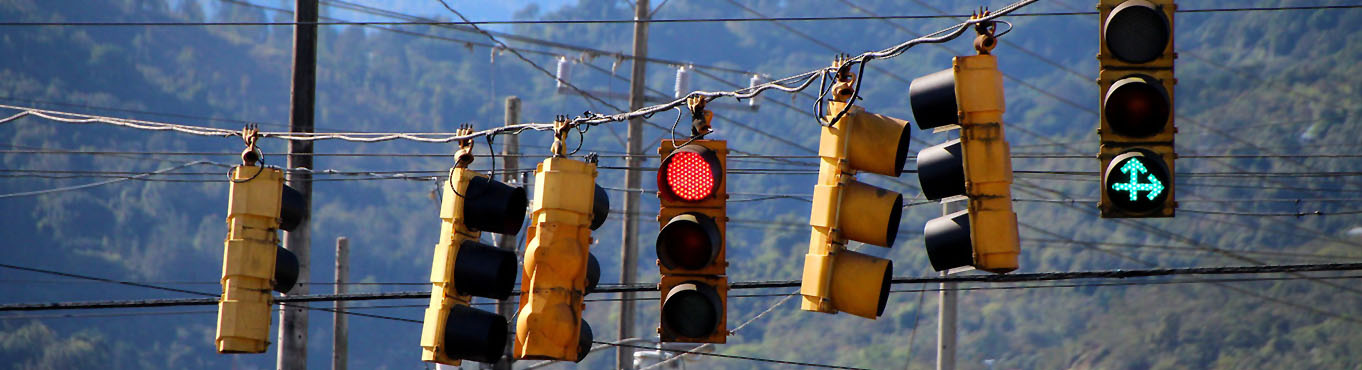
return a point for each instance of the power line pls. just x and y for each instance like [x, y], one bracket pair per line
[649, 287]
[943, 35]
[397, 15]
[693, 352]
[101, 183]
[632, 21]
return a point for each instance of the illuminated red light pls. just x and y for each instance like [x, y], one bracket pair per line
[689, 176]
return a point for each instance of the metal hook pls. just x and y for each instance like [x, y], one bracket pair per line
[464, 156]
[986, 40]
[561, 128]
[250, 135]
[700, 117]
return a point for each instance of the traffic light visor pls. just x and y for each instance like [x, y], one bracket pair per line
[872, 214]
[933, 100]
[948, 241]
[285, 269]
[689, 241]
[860, 283]
[292, 209]
[941, 170]
[492, 206]
[691, 309]
[1137, 106]
[600, 208]
[878, 143]
[691, 173]
[484, 271]
[474, 334]
[1136, 32]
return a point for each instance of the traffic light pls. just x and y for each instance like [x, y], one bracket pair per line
[559, 270]
[1136, 83]
[690, 244]
[978, 165]
[463, 267]
[837, 279]
[253, 263]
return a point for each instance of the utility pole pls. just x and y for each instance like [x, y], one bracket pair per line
[945, 330]
[624, 357]
[340, 330]
[293, 317]
[509, 150]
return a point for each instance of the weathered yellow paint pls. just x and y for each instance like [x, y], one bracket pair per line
[556, 250]
[988, 163]
[248, 260]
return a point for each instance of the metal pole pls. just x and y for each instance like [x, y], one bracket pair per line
[624, 357]
[945, 330]
[340, 331]
[293, 318]
[509, 150]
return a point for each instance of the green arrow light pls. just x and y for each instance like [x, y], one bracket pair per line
[1133, 168]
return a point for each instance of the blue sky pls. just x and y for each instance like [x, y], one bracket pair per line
[478, 10]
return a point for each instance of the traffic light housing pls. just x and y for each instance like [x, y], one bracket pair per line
[253, 263]
[837, 279]
[969, 96]
[463, 268]
[691, 182]
[1137, 114]
[559, 270]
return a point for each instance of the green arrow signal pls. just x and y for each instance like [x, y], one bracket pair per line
[1133, 168]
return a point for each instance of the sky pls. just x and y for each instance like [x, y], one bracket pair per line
[477, 10]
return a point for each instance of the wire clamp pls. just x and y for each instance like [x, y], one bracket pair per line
[249, 135]
[464, 156]
[986, 40]
[700, 118]
[561, 128]
[844, 88]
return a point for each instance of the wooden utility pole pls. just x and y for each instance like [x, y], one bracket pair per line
[293, 318]
[340, 326]
[624, 357]
[509, 150]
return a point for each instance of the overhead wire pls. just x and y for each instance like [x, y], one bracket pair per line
[648, 287]
[631, 21]
[589, 119]
[1250, 293]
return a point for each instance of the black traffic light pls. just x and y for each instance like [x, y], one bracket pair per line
[690, 245]
[1137, 116]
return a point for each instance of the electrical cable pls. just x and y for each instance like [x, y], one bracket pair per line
[649, 287]
[631, 21]
[589, 119]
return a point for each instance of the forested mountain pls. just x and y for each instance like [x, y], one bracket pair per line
[1266, 101]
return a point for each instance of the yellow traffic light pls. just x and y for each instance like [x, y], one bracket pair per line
[1137, 128]
[978, 165]
[836, 279]
[690, 245]
[259, 205]
[558, 266]
[463, 267]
